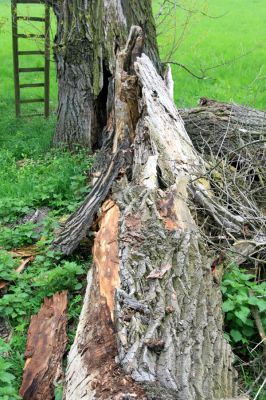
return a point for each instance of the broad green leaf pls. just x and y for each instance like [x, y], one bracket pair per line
[228, 305]
[236, 335]
[243, 313]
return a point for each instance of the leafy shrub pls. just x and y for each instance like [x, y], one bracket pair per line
[57, 180]
[7, 266]
[241, 293]
[20, 236]
[7, 387]
[29, 179]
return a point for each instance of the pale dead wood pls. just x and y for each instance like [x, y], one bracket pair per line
[121, 120]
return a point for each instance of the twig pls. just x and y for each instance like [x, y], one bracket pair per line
[260, 389]
[254, 383]
[186, 69]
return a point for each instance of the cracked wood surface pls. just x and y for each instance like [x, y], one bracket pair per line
[165, 339]
[45, 348]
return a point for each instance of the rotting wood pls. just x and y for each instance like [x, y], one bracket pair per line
[167, 331]
[45, 348]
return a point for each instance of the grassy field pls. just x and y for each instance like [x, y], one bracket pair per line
[236, 37]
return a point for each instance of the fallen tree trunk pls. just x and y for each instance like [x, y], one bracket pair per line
[151, 326]
[222, 128]
[45, 348]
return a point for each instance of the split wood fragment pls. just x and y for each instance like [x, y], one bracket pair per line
[46, 343]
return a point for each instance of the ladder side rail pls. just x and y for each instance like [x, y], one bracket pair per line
[47, 62]
[15, 55]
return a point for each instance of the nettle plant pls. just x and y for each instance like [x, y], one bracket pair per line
[7, 266]
[241, 293]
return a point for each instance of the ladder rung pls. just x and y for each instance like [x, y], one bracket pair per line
[28, 1]
[32, 101]
[30, 35]
[37, 19]
[30, 85]
[31, 70]
[32, 115]
[30, 52]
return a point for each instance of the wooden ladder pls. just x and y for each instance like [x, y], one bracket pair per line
[17, 54]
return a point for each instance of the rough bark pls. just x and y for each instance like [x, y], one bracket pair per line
[222, 128]
[45, 348]
[152, 316]
[89, 35]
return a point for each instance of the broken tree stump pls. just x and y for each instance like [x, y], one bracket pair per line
[152, 312]
[46, 343]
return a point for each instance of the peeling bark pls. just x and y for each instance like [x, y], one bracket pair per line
[159, 323]
[45, 348]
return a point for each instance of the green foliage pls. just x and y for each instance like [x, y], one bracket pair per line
[58, 392]
[241, 292]
[22, 235]
[7, 387]
[55, 180]
[47, 275]
[7, 266]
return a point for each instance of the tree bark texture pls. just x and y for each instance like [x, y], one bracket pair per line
[151, 326]
[45, 348]
[89, 34]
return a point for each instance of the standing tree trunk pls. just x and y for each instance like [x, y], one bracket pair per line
[151, 325]
[89, 34]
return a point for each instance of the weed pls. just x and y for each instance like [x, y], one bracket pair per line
[7, 266]
[236, 288]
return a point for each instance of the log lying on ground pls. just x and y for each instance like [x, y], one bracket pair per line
[223, 127]
[45, 348]
[231, 138]
[151, 321]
